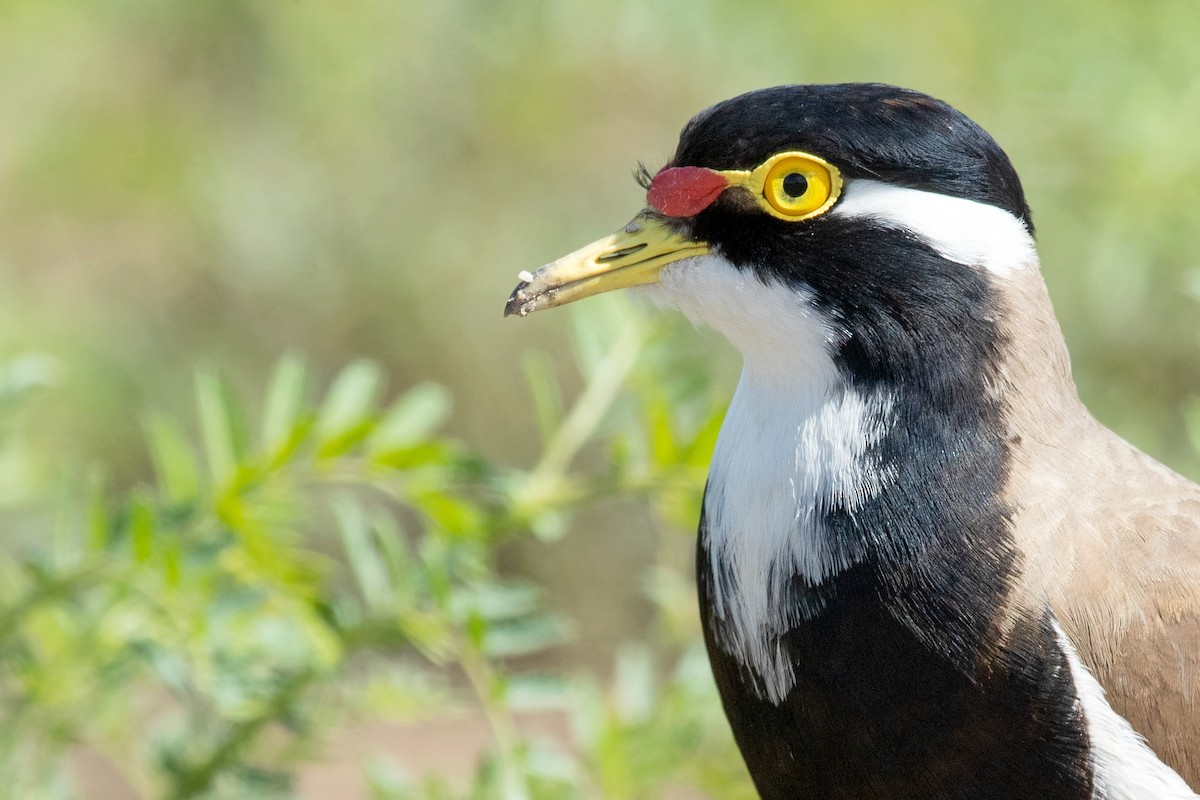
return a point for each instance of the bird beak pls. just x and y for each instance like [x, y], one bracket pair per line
[632, 256]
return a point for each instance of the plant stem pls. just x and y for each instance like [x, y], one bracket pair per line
[196, 780]
[589, 410]
[504, 731]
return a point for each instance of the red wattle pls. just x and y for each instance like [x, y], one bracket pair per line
[685, 191]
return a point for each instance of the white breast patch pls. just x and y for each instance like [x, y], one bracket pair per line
[783, 459]
[791, 447]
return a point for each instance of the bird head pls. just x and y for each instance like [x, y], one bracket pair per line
[879, 223]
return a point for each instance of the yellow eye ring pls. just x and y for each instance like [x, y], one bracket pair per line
[798, 186]
[792, 186]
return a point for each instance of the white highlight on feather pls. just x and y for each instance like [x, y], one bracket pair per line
[792, 445]
[1126, 768]
[963, 231]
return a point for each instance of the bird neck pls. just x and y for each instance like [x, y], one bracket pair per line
[814, 478]
[1033, 379]
[826, 465]
[859, 580]
[870, 437]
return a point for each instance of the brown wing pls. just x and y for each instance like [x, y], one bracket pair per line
[1115, 546]
[1111, 538]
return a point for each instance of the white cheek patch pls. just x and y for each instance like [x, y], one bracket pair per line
[963, 231]
[793, 446]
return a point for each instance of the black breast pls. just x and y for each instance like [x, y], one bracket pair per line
[875, 713]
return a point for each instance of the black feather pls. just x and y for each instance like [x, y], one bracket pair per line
[642, 175]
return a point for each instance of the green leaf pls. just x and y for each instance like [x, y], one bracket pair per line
[545, 391]
[325, 647]
[431, 453]
[540, 692]
[635, 684]
[67, 542]
[96, 513]
[664, 449]
[475, 628]
[370, 569]
[410, 420]
[700, 450]
[175, 464]
[347, 413]
[22, 374]
[388, 780]
[430, 633]
[496, 602]
[407, 693]
[523, 637]
[141, 529]
[285, 422]
[590, 335]
[394, 549]
[222, 425]
[448, 513]
[172, 561]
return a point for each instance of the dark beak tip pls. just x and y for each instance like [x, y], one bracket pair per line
[516, 301]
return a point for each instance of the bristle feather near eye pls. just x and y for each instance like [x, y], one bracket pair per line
[642, 175]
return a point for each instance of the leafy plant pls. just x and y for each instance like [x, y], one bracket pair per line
[336, 558]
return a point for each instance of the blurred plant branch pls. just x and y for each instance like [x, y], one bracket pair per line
[193, 631]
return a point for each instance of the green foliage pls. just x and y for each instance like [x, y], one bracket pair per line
[220, 182]
[337, 558]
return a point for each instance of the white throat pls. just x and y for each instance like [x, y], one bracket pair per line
[793, 445]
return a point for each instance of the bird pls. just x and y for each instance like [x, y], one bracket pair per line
[924, 569]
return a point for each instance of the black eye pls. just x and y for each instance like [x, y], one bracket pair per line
[795, 184]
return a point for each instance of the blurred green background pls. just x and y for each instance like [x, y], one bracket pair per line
[213, 185]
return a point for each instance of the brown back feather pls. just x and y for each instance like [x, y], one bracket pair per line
[1111, 538]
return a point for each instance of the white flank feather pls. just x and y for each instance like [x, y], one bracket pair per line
[1126, 767]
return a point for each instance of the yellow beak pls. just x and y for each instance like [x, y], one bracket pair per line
[632, 256]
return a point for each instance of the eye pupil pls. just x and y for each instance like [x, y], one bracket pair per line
[795, 184]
